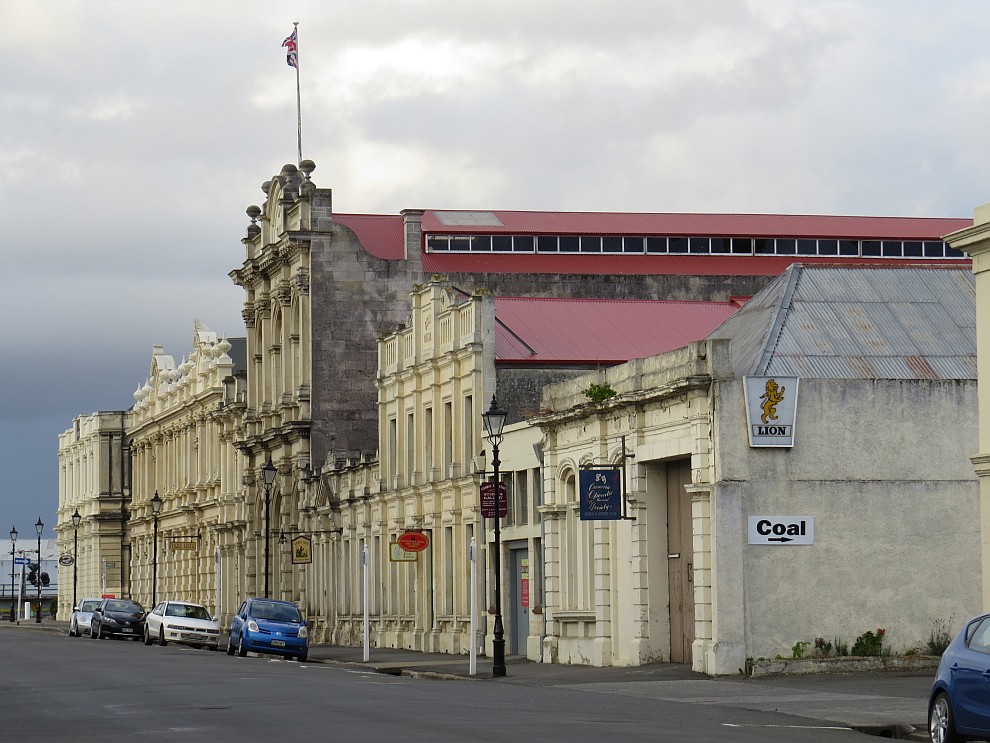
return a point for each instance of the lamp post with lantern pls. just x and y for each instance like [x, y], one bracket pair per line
[268, 473]
[156, 507]
[40, 527]
[13, 572]
[76, 520]
[494, 420]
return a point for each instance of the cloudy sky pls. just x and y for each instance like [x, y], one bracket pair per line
[133, 135]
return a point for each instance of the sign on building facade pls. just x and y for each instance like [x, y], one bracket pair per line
[601, 494]
[771, 409]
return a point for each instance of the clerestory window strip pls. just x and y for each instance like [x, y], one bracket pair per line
[689, 245]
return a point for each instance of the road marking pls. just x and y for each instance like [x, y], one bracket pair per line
[787, 727]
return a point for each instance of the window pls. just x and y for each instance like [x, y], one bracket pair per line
[632, 245]
[699, 245]
[448, 438]
[743, 245]
[786, 246]
[521, 498]
[577, 567]
[980, 638]
[591, 244]
[393, 454]
[410, 467]
[689, 244]
[501, 243]
[469, 424]
[656, 245]
[523, 243]
[428, 443]
[611, 244]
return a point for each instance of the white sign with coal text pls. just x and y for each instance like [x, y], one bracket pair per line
[781, 530]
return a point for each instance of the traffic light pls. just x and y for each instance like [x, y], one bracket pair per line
[45, 580]
[32, 577]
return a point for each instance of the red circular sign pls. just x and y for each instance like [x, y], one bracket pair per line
[413, 541]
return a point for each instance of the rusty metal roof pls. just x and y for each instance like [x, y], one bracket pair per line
[858, 322]
[598, 331]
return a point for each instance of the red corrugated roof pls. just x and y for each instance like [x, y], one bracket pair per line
[721, 225]
[382, 236]
[606, 331]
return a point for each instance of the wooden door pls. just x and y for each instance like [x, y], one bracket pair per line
[680, 551]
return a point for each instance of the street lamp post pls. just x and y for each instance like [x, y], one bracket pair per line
[156, 507]
[76, 520]
[494, 420]
[13, 571]
[40, 527]
[268, 472]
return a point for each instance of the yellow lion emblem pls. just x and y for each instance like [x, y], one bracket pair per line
[773, 396]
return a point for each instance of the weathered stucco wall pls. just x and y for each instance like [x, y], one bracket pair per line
[883, 468]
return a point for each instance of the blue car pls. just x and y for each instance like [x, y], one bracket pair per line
[959, 703]
[268, 626]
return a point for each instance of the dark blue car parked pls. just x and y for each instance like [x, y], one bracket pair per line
[268, 626]
[959, 704]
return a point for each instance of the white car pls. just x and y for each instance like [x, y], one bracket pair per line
[81, 616]
[183, 622]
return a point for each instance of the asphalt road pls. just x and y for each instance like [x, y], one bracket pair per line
[56, 688]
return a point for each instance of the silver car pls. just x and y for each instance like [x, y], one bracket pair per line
[81, 616]
[183, 622]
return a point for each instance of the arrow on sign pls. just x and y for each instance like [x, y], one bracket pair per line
[780, 539]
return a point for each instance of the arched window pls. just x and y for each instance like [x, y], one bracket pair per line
[577, 551]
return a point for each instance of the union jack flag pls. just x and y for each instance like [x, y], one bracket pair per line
[291, 50]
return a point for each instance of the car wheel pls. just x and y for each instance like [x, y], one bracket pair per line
[941, 726]
[230, 645]
[241, 650]
[161, 637]
[94, 631]
[73, 632]
[147, 636]
[302, 657]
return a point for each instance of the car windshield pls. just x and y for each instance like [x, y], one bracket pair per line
[89, 605]
[276, 612]
[189, 611]
[128, 607]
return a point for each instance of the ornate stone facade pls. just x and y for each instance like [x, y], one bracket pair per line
[181, 432]
[94, 479]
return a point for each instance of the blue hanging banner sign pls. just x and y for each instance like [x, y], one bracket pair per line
[601, 494]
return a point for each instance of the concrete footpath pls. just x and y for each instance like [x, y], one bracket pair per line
[888, 704]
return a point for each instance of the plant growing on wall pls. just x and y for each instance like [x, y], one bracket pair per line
[869, 643]
[599, 393]
[940, 637]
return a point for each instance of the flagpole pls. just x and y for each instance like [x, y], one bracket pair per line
[295, 25]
